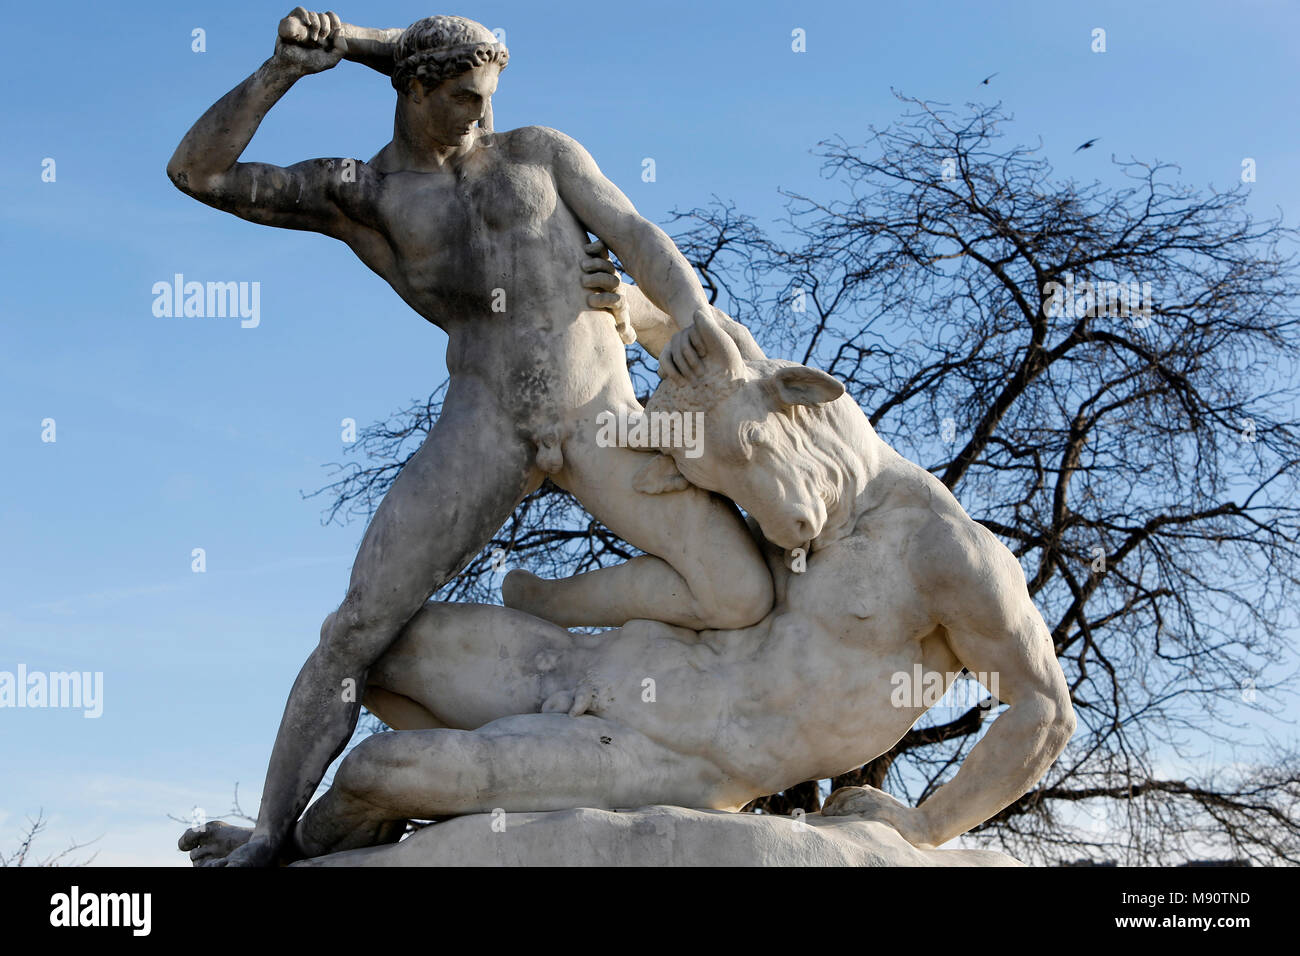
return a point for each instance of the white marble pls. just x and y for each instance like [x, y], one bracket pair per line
[658, 837]
[745, 658]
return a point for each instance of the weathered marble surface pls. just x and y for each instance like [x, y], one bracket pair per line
[658, 836]
[744, 658]
[482, 232]
[495, 708]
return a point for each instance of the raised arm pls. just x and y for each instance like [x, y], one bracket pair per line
[303, 196]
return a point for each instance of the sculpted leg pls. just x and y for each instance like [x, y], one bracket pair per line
[460, 666]
[442, 509]
[531, 762]
[702, 568]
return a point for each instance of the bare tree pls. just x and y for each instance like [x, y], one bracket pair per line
[22, 856]
[1105, 375]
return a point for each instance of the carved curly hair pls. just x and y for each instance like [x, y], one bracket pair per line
[436, 48]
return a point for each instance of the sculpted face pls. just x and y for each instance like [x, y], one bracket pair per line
[452, 107]
[760, 443]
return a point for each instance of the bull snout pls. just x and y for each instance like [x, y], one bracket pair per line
[798, 525]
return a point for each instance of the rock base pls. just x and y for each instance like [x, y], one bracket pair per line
[656, 836]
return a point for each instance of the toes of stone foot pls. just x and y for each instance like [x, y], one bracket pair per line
[191, 838]
[559, 702]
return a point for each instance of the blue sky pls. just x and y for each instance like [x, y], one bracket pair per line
[175, 434]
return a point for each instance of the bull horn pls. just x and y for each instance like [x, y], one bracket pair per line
[719, 348]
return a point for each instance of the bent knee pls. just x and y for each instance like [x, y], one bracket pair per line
[358, 632]
[361, 769]
[742, 597]
[375, 764]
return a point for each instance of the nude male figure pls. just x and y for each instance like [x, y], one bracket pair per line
[458, 218]
[498, 709]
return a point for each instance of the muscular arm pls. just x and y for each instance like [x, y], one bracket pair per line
[992, 628]
[205, 164]
[654, 327]
[303, 196]
[660, 270]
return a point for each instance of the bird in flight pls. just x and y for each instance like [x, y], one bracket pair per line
[1087, 145]
[986, 79]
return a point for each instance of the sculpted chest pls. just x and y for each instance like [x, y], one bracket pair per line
[855, 592]
[487, 195]
[507, 194]
[462, 233]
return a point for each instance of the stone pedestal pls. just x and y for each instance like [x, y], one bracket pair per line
[657, 836]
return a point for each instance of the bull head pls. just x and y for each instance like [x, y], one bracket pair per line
[753, 443]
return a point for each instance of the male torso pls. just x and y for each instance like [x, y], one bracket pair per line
[482, 234]
[486, 249]
[808, 692]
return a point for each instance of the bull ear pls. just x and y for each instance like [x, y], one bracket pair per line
[801, 385]
[659, 476]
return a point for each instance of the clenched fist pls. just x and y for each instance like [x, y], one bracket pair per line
[310, 42]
